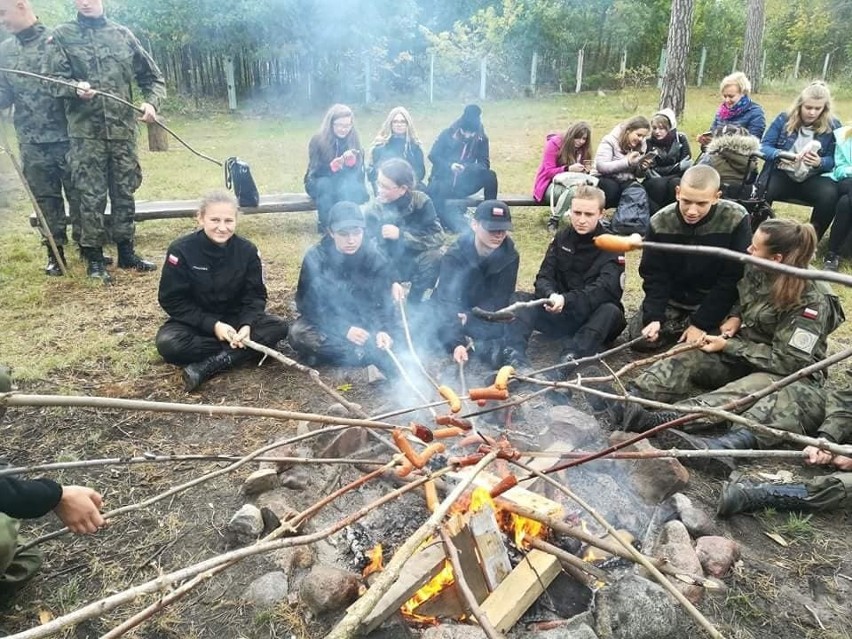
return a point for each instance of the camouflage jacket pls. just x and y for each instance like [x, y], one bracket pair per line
[39, 115]
[109, 57]
[782, 341]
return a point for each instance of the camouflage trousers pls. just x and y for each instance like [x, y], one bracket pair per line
[47, 173]
[829, 492]
[101, 169]
[16, 568]
[797, 408]
[676, 322]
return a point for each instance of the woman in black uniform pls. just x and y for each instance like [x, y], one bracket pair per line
[213, 290]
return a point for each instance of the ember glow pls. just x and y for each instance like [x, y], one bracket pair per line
[375, 564]
[442, 580]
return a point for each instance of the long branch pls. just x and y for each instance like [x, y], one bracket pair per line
[348, 626]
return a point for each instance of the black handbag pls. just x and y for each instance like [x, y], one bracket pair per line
[238, 176]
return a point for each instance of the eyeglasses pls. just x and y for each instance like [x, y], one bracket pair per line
[399, 121]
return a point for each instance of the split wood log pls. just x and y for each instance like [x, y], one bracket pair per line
[357, 612]
[158, 138]
[461, 581]
[636, 555]
[488, 538]
[465, 542]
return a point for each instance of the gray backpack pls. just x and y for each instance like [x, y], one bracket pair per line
[633, 213]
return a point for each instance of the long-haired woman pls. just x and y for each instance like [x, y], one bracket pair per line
[618, 161]
[335, 164]
[397, 138]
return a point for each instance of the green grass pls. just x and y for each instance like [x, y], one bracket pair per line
[64, 328]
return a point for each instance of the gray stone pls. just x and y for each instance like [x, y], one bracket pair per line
[277, 503]
[453, 631]
[636, 608]
[245, 526]
[675, 545]
[574, 427]
[717, 554]
[328, 589]
[261, 481]
[295, 480]
[697, 521]
[577, 627]
[268, 590]
[652, 479]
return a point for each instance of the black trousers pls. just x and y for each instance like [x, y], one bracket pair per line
[817, 191]
[327, 191]
[612, 189]
[457, 186]
[661, 191]
[842, 217]
[315, 347]
[580, 336]
[181, 344]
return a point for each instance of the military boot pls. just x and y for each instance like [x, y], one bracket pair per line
[747, 496]
[107, 258]
[638, 419]
[128, 259]
[95, 267]
[195, 374]
[53, 269]
[734, 439]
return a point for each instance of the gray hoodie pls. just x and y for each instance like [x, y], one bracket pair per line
[611, 162]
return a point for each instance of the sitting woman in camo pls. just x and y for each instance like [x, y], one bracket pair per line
[213, 290]
[398, 139]
[335, 164]
[570, 152]
[402, 223]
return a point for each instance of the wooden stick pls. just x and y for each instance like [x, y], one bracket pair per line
[458, 574]
[99, 608]
[671, 452]
[348, 626]
[410, 342]
[636, 555]
[408, 379]
[591, 358]
[567, 558]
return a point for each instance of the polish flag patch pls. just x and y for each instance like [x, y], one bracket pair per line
[173, 259]
[621, 260]
[810, 313]
[497, 211]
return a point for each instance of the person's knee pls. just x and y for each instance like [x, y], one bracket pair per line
[172, 346]
[270, 330]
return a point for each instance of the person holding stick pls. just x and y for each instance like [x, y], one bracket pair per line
[780, 325]
[823, 492]
[101, 55]
[213, 289]
[39, 124]
[77, 507]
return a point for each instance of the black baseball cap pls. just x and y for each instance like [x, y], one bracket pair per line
[345, 215]
[494, 215]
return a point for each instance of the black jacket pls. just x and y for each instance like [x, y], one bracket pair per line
[28, 499]
[587, 276]
[398, 147]
[451, 148]
[414, 214]
[670, 157]
[203, 283]
[319, 162]
[694, 280]
[467, 280]
[338, 291]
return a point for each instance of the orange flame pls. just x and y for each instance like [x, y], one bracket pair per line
[440, 581]
[375, 564]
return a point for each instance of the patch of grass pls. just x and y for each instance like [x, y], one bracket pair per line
[797, 525]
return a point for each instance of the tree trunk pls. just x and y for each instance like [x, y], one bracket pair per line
[673, 94]
[755, 23]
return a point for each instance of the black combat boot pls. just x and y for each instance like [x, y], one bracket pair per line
[128, 259]
[638, 419]
[734, 439]
[107, 258]
[195, 374]
[53, 269]
[747, 496]
[95, 267]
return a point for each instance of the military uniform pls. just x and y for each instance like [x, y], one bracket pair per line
[41, 128]
[683, 289]
[203, 283]
[416, 255]
[770, 344]
[104, 157]
[591, 282]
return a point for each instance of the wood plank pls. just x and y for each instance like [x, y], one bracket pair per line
[490, 546]
[173, 209]
[520, 589]
[465, 543]
[517, 495]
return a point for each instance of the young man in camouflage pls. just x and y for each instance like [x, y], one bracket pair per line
[39, 121]
[823, 492]
[100, 55]
[688, 296]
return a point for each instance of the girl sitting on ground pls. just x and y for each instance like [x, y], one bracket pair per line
[397, 138]
[619, 158]
[842, 174]
[672, 159]
[335, 164]
[806, 131]
[562, 153]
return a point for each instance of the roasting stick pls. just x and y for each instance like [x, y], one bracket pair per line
[408, 379]
[411, 348]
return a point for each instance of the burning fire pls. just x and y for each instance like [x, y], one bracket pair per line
[442, 580]
[375, 565]
[519, 527]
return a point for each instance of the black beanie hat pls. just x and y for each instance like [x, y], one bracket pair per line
[470, 119]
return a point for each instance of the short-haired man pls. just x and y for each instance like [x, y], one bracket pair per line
[100, 55]
[39, 121]
[687, 295]
[582, 283]
[480, 269]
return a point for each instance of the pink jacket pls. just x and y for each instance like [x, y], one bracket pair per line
[548, 167]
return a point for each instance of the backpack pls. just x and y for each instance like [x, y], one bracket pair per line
[238, 176]
[633, 213]
[564, 185]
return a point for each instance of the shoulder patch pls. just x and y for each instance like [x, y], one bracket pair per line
[621, 260]
[810, 313]
[803, 340]
[173, 259]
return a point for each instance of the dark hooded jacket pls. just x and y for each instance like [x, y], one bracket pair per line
[452, 147]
